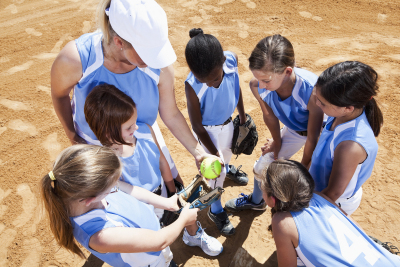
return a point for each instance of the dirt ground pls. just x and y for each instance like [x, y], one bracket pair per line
[322, 32]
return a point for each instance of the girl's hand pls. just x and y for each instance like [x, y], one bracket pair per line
[268, 146]
[189, 215]
[271, 146]
[173, 203]
[76, 139]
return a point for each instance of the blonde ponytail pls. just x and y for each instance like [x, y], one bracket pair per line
[104, 21]
[80, 172]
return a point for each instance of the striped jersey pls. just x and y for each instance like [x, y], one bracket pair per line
[123, 210]
[329, 238]
[141, 84]
[357, 130]
[292, 111]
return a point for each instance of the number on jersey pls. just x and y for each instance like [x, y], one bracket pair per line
[359, 244]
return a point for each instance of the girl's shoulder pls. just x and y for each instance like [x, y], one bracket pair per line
[283, 225]
[306, 76]
[231, 60]
[356, 127]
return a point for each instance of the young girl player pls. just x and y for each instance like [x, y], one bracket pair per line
[213, 92]
[284, 93]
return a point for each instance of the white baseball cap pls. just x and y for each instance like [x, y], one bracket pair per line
[143, 23]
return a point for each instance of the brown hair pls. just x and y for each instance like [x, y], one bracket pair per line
[290, 183]
[106, 109]
[273, 53]
[81, 171]
[353, 83]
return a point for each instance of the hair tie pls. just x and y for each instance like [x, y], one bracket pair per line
[107, 11]
[51, 174]
[371, 98]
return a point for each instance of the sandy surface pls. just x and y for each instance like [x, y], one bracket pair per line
[322, 32]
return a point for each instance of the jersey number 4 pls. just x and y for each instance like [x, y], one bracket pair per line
[358, 243]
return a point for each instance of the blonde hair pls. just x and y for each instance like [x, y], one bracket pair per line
[104, 23]
[80, 172]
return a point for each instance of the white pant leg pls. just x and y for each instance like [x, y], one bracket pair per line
[291, 143]
[163, 260]
[164, 149]
[160, 212]
[350, 205]
[221, 136]
[167, 253]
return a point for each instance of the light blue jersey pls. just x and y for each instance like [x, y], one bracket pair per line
[142, 169]
[357, 130]
[218, 104]
[140, 84]
[123, 210]
[329, 238]
[292, 111]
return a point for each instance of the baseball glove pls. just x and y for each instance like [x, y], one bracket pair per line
[199, 194]
[245, 137]
[386, 245]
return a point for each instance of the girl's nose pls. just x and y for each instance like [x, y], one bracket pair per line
[262, 85]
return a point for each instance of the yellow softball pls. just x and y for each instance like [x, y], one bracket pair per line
[210, 168]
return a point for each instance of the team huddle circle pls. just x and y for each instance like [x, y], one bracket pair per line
[116, 191]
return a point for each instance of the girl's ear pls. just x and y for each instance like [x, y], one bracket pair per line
[273, 201]
[88, 201]
[349, 109]
[288, 70]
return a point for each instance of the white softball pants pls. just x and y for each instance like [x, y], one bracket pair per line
[292, 142]
[221, 136]
[350, 205]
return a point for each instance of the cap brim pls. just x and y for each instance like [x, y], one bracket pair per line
[157, 57]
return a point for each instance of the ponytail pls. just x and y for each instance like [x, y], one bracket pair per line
[352, 83]
[60, 223]
[374, 116]
[104, 21]
[79, 172]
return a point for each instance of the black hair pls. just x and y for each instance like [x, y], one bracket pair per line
[352, 83]
[203, 53]
[273, 53]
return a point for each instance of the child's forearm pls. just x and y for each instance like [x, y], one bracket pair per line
[145, 196]
[240, 108]
[308, 151]
[170, 185]
[170, 233]
[205, 139]
[274, 127]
